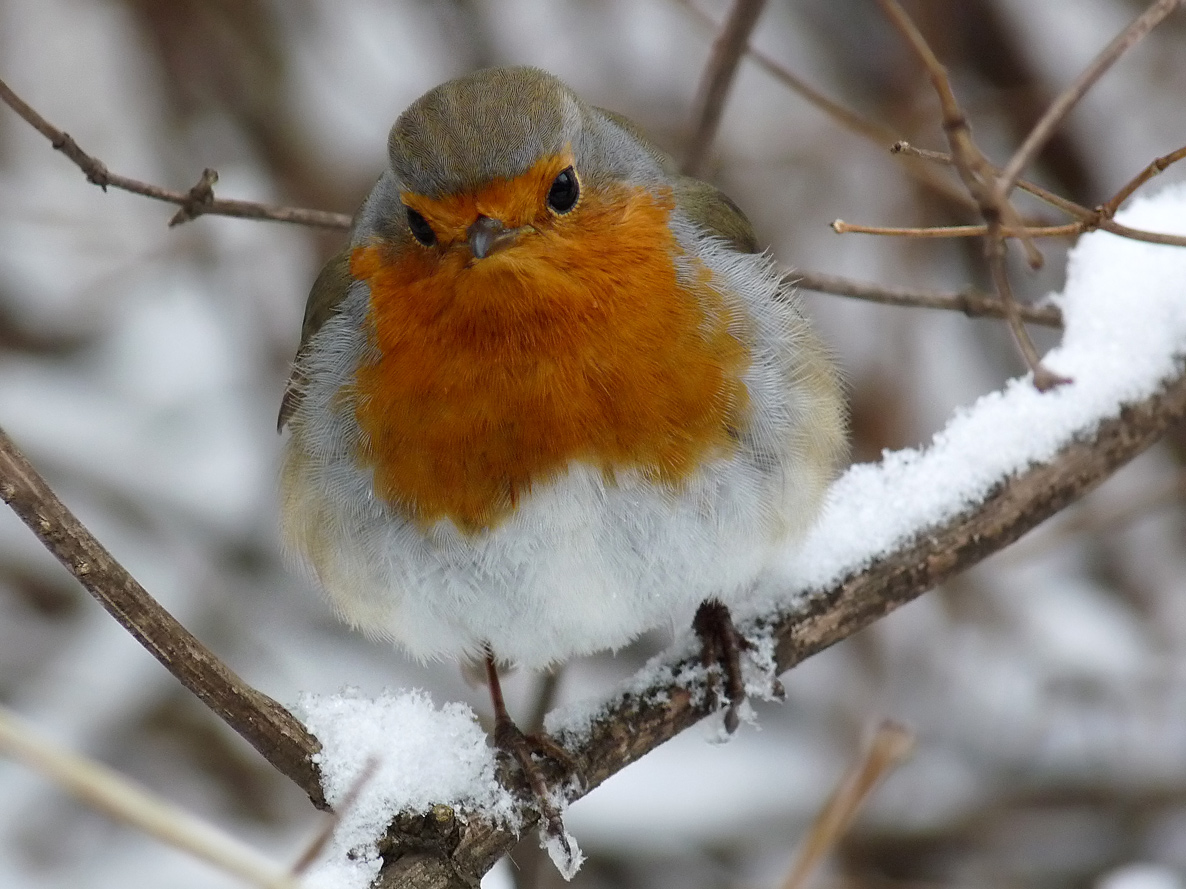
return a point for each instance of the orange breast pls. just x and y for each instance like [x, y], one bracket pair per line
[578, 343]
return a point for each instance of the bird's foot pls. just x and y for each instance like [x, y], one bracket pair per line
[523, 748]
[721, 646]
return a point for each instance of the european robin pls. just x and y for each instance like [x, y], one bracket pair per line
[550, 396]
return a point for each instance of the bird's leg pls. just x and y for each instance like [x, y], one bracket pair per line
[509, 738]
[721, 646]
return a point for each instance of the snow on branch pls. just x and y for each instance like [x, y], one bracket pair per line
[890, 532]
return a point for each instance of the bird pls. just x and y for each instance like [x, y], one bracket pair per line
[549, 397]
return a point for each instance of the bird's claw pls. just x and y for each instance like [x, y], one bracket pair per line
[520, 746]
[721, 646]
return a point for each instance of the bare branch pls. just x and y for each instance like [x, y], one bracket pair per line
[956, 231]
[1089, 220]
[971, 302]
[198, 201]
[718, 75]
[890, 746]
[1061, 106]
[977, 175]
[262, 722]
[111, 793]
[1137, 234]
[1155, 168]
[942, 157]
[844, 116]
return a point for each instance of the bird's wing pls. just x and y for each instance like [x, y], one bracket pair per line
[327, 293]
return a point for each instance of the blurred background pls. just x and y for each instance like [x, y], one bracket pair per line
[141, 369]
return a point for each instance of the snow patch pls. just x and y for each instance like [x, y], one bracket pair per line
[1124, 310]
[417, 755]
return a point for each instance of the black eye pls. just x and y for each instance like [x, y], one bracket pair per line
[421, 230]
[565, 190]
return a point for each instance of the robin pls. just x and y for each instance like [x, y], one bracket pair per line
[550, 396]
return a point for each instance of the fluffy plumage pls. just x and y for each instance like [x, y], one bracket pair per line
[556, 447]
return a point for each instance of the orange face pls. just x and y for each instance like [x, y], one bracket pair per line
[577, 342]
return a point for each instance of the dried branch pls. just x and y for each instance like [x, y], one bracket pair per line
[1061, 106]
[197, 201]
[111, 793]
[1089, 220]
[718, 75]
[890, 746]
[1155, 168]
[262, 722]
[852, 121]
[636, 722]
[971, 302]
[978, 177]
[942, 157]
[956, 231]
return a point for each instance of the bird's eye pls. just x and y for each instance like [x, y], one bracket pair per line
[565, 190]
[421, 230]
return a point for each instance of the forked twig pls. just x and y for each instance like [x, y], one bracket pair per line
[197, 201]
[1065, 101]
[1088, 220]
[977, 175]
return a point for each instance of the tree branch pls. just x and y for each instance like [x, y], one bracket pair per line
[1062, 105]
[197, 201]
[261, 721]
[727, 51]
[972, 303]
[977, 175]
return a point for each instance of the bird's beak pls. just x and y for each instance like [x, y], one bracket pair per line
[489, 235]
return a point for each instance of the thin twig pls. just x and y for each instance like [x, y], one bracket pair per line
[718, 75]
[955, 231]
[262, 722]
[1155, 168]
[1137, 234]
[197, 201]
[977, 174]
[1089, 220]
[890, 746]
[874, 132]
[942, 157]
[108, 791]
[1061, 106]
[971, 302]
[1044, 378]
[348, 801]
